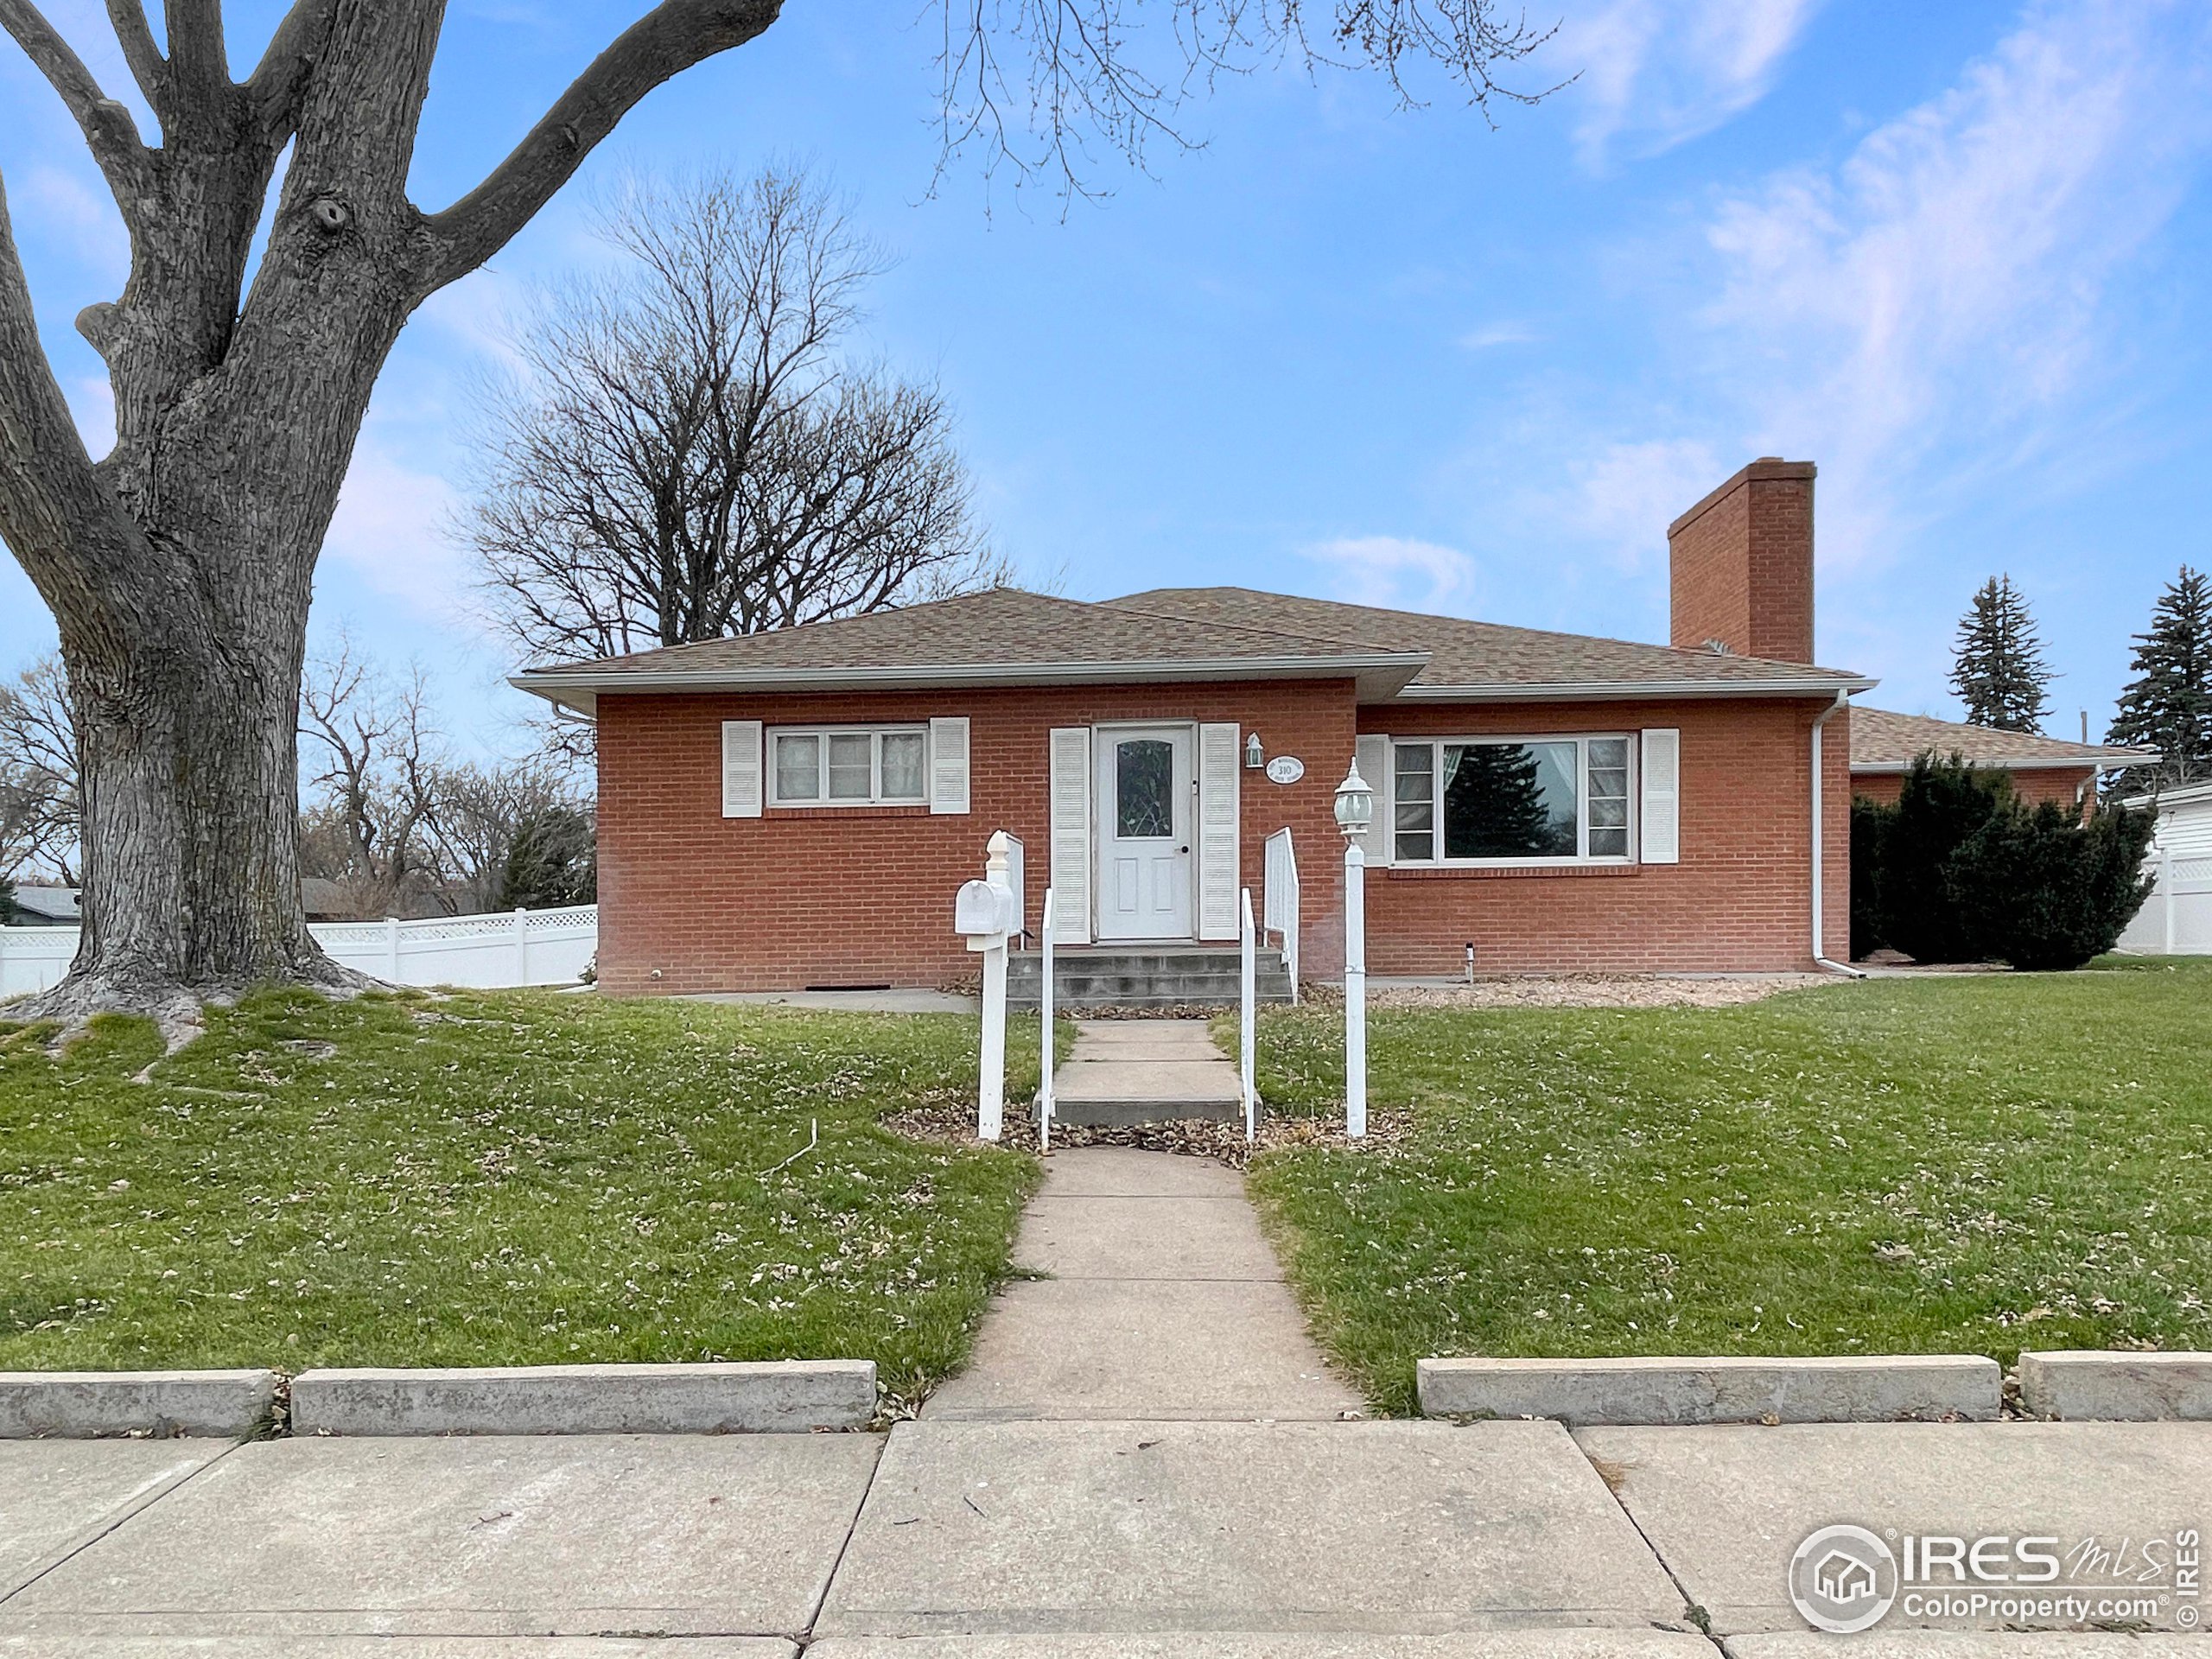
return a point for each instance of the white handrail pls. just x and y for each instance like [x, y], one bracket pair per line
[1280, 900]
[1248, 986]
[1045, 1038]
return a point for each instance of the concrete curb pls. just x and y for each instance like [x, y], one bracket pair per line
[1671, 1390]
[781, 1396]
[88, 1405]
[2098, 1385]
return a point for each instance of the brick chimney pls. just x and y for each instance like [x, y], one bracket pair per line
[1742, 565]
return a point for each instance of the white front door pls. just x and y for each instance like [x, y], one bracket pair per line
[1144, 790]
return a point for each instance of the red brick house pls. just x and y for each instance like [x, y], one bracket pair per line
[1883, 745]
[796, 808]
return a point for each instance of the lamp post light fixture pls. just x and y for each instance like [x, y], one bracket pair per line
[1255, 755]
[1355, 807]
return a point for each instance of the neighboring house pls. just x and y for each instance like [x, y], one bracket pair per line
[798, 807]
[37, 906]
[1883, 745]
[2176, 918]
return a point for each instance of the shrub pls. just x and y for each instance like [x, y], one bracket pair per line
[7, 902]
[2040, 891]
[1940, 808]
[1870, 831]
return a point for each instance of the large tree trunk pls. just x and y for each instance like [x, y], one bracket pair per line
[191, 826]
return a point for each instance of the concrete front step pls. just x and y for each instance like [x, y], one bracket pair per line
[1147, 976]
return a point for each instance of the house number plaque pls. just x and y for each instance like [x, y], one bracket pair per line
[1286, 769]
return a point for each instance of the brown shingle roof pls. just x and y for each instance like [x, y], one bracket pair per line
[1487, 654]
[1009, 636]
[1004, 634]
[1882, 741]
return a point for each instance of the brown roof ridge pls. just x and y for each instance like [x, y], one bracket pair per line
[1129, 601]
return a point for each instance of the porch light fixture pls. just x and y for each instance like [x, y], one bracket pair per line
[1354, 804]
[1255, 757]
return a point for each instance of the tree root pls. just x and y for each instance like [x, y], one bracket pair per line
[178, 1010]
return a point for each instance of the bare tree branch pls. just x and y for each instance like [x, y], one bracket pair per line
[41, 812]
[109, 131]
[668, 39]
[148, 67]
[277, 81]
[692, 456]
[198, 58]
[1032, 82]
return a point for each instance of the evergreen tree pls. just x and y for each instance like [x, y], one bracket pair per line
[1494, 806]
[554, 861]
[2168, 705]
[2000, 673]
[7, 902]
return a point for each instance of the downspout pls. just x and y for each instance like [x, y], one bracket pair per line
[1819, 957]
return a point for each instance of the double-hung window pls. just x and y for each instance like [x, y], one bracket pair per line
[849, 766]
[1532, 800]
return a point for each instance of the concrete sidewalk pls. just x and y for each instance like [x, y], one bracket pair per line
[1045, 1540]
[1164, 1301]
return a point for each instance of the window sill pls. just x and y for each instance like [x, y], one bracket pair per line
[1503, 872]
[857, 811]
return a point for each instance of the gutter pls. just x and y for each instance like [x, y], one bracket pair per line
[1615, 690]
[550, 683]
[1819, 856]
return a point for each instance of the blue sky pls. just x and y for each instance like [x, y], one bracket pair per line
[1959, 255]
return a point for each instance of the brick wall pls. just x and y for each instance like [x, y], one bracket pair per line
[830, 896]
[1740, 900]
[864, 895]
[1741, 565]
[2037, 783]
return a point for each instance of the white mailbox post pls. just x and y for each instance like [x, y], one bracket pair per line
[985, 912]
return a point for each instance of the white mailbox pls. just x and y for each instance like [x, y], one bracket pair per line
[985, 913]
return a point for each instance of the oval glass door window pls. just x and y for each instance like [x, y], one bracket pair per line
[1144, 789]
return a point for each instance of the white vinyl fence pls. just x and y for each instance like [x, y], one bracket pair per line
[2176, 920]
[522, 947]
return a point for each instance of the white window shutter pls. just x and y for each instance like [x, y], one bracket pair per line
[1662, 813]
[742, 790]
[1070, 834]
[949, 766]
[1373, 755]
[1218, 775]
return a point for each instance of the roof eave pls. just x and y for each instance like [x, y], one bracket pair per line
[1378, 675]
[1617, 690]
[2106, 762]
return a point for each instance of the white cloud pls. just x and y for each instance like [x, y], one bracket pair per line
[1625, 499]
[391, 531]
[1656, 73]
[1397, 571]
[1944, 290]
[1498, 333]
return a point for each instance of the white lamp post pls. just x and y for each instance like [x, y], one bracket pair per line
[1355, 812]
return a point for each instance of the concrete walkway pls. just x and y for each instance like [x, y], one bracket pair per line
[1124, 1071]
[1164, 1301]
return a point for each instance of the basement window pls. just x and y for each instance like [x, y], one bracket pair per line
[1515, 800]
[849, 766]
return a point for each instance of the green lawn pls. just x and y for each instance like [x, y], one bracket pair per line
[516, 1177]
[1979, 1164]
